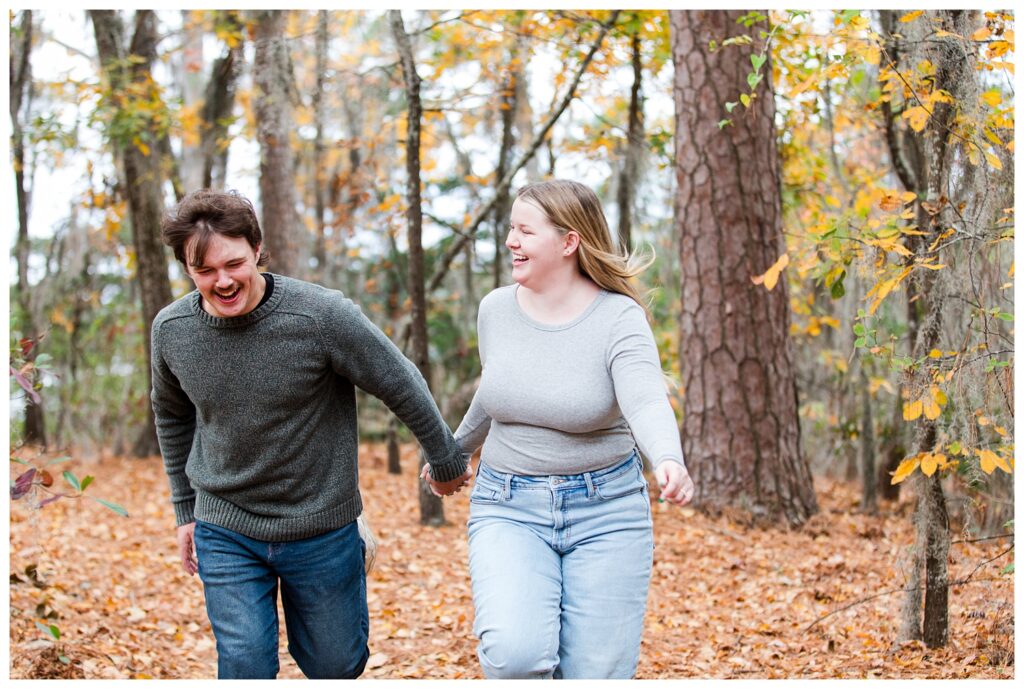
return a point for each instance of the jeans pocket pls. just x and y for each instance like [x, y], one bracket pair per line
[485, 493]
[626, 483]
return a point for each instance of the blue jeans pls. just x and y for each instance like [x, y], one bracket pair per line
[560, 568]
[323, 592]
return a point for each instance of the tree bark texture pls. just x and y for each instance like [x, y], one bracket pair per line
[319, 169]
[20, 94]
[431, 508]
[634, 149]
[272, 74]
[143, 176]
[741, 432]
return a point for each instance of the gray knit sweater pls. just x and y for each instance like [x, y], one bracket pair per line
[256, 415]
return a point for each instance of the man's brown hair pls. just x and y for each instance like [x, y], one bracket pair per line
[206, 212]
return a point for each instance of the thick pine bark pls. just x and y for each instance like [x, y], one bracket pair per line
[741, 431]
[634, 149]
[272, 75]
[20, 87]
[142, 176]
[431, 509]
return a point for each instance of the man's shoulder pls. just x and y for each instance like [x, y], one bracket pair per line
[183, 307]
[312, 299]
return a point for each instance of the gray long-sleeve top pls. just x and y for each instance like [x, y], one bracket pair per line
[256, 415]
[566, 399]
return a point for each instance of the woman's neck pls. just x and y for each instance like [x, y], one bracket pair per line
[559, 301]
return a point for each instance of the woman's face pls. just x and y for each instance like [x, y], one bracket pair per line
[539, 251]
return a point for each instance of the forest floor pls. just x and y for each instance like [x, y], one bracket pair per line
[726, 600]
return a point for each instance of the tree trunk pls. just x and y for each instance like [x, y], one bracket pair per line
[272, 75]
[431, 508]
[741, 432]
[142, 175]
[189, 80]
[869, 499]
[319, 170]
[634, 149]
[508, 117]
[20, 87]
[954, 73]
[218, 105]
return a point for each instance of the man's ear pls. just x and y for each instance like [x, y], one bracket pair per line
[571, 242]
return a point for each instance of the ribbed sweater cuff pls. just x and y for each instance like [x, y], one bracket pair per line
[184, 512]
[449, 471]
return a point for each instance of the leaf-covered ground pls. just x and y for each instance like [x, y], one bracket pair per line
[725, 601]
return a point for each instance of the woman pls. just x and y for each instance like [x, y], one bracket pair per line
[560, 539]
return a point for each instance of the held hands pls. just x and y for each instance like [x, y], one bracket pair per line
[187, 548]
[675, 482]
[443, 488]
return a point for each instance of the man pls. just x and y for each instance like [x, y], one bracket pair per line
[254, 379]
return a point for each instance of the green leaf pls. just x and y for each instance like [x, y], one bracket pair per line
[73, 480]
[730, 105]
[1004, 316]
[117, 508]
[858, 329]
[19, 461]
[1008, 569]
[838, 291]
[745, 99]
[58, 460]
[724, 123]
[757, 61]
[860, 342]
[43, 360]
[64, 659]
[50, 630]
[86, 481]
[753, 79]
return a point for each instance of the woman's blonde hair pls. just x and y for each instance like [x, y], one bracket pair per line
[573, 206]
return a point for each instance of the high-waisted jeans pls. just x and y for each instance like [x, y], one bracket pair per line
[560, 568]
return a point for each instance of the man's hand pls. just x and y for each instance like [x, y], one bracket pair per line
[443, 488]
[187, 548]
[675, 482]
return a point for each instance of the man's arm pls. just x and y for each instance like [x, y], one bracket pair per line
[363, 354]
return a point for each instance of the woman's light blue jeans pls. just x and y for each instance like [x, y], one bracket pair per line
[323, 592]
[560, 568]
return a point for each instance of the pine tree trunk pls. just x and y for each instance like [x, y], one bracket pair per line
[741, 432]
[431, 508]
[272, 75]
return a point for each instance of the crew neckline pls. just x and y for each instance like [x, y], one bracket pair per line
[556, 326]
[256, 314]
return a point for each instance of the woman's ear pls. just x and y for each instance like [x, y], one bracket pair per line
[571, 242]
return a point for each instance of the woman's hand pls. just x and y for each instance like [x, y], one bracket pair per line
[675, 482]
[443, 488]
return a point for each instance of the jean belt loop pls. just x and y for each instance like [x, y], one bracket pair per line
[508, 487]
[588, 477]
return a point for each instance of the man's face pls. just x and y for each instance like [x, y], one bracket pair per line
[227, 277]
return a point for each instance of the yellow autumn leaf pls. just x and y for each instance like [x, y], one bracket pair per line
[939, 396]
[929, 463]
[935, 354]
[994, 161]
[905, 469]
[992, 97]
[983, 421]
[931, 410]
[1000, 430]
[771, 276]
[913, 410]
[911, 16]
[981, 34]
[917, 116]
[990, 461]
[940, 459]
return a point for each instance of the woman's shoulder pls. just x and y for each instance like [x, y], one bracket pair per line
[499, 298]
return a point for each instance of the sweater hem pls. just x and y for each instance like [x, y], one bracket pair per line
[210, 508]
